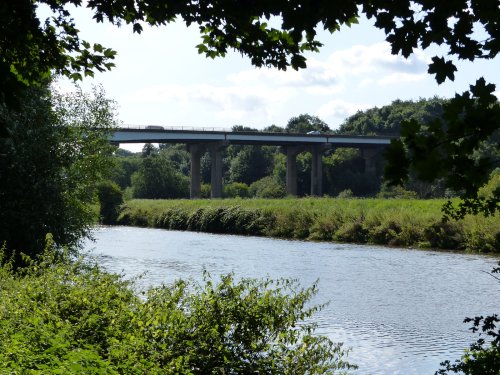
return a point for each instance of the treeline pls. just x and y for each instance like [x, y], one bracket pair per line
[260, 171]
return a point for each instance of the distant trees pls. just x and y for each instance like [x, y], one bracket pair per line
[157, 178]
[250, 164]
[387, 120]
[343, 168]
[306, 123]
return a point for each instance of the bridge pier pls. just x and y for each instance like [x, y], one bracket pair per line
[317, 170]
[370, 157]
[291, 169]
[216, 169]
[196, 150]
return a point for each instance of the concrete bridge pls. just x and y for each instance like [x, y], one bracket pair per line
[199, 141]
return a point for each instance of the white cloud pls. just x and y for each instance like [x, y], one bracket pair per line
[336, 110]
[228, 102]
[399, 78]
[362, 59]
[340, 68]
[264, 95]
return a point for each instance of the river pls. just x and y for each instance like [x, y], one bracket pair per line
[400, 310]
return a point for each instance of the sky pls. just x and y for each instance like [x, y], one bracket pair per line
[160, 79]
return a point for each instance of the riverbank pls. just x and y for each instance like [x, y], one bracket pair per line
[394, 222]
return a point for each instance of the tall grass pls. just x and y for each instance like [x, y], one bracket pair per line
[393, 222]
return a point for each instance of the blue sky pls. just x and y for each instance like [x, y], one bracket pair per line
[161, 79]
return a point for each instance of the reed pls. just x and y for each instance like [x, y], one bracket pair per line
[391, 222]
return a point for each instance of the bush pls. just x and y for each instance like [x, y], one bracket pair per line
[110, 198]
[347, 193]
[174, 218]
[445, 235]
[267, 187]
[396, 192]
[352, 231]
[236, 190]
[205, 191]
[61, 317]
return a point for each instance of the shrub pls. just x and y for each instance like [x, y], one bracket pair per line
[396, 192]
[347, 193]
[352, 231]
[174, 218]
[267, 187]
[61, 317]
[134, 217]
[236, 190]
[205, 191]
[445, 235]
[110, 198]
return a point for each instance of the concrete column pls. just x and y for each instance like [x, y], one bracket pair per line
[195, 189]
[216, 169]
[291, 169]
[370, 157]
[317, 171]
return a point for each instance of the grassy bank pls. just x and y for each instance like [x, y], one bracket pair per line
[407, 223]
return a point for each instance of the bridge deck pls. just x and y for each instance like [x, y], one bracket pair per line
[127, 135]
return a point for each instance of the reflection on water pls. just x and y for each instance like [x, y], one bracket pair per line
[401, 311]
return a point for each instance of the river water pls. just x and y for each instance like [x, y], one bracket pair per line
[401, 311]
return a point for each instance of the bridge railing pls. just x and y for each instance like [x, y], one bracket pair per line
[178, 128]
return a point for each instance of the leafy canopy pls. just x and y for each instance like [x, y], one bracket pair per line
[276, 33]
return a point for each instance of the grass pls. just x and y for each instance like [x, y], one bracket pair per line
[393, 222]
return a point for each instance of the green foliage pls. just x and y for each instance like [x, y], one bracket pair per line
[124, 166]
[250, 164]
[178, 155]
[231, 220]
[345, 194]
[110, 198]
[393, 222]
[344, 169]
[156, 178]
[236, 190]
[247, 29]
[396, 192]
[445, 235]
[267, 187]
[59, 316]
[49, 165]
[447, 149]
[205, 190]
[492, 188]
[387, 120]
[306, 123]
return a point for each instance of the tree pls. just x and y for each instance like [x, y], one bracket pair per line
[387, 119]
[250, 164]
[55, 154]
[306, 123]
[158, 179]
